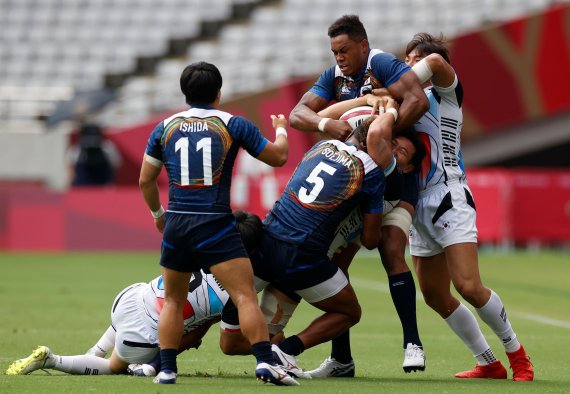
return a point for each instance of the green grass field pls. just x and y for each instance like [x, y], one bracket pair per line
[63, 301]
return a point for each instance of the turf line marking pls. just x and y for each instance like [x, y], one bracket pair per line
[541, 319]
[383, 288]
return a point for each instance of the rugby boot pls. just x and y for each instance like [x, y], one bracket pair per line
[494, 370]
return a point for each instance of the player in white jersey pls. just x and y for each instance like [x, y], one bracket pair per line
[133, 333]
[443, 239]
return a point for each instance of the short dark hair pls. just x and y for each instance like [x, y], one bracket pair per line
[200, 83]
[421, 151]
[425, 43]
[361, 132]
[349, 25]
[250, 227]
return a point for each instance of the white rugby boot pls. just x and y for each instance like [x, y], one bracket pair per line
[414, 358]
[274, 374]
[289, 363]
[330, 368]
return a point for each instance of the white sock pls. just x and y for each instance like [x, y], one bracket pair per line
[493, 313]
[464, 325]
[104, 344]
[82, 365]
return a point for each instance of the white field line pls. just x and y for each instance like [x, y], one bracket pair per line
[383, 288]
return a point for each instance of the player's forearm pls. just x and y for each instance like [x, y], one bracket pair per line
[304, 119]
[336, 110]
[151, 194]
[411, 110]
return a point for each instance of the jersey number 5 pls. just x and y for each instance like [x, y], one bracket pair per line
[308, 197]
[206, 145]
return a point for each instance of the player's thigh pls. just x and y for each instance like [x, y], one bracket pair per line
[116, 364]
[175, 284]
[463, 266]
[344, 302]
[433, 276]
[236, 276]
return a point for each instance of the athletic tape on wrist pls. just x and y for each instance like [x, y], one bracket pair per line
[159, 213]
[322, 124]
[280, 131]
[394, 112]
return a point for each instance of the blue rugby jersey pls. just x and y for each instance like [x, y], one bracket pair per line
[381, 71]
[198, 147]
[330, 181]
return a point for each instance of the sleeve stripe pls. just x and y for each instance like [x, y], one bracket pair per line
[153, 161]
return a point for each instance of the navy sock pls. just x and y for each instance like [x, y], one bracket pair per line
[341, 348]
[262, 352]
[155, 363]
[168, 359]
[292, 345]
[403, 291]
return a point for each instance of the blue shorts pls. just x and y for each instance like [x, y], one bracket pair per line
[289, 266]
[191, 242]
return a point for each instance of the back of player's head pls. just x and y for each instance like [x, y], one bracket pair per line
[361, 132]
[425, 44]
[200, 83]
[349, 25]
[415, 139]
[250, 228]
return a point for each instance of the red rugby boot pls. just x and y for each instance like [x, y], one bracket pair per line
[521, 365]
[491, 371]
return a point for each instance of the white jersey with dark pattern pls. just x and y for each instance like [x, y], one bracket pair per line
[440, 130]
[205, 300]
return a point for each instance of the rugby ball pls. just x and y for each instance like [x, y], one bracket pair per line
[356, 116]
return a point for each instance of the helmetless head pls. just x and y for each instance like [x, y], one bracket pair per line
[349, 44]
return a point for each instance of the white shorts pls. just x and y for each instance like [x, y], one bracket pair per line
[133, 343]
[445, 215]
[324, 290]
[319, 292]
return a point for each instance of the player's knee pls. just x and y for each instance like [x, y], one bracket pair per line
[393, 259]
[471, 292]
[354, 315]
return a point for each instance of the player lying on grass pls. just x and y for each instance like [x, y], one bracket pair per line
[134, 318]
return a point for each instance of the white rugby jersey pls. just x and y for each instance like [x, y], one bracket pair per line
[440, 130]
[205, 300]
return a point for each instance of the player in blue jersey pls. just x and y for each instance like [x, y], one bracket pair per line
[278, 308]
[359, 70]
[332, 179]
[443, 240]
[198, 148]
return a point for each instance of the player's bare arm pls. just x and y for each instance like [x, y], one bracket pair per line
[150, 170]
[336, 110]
[435, 68]
[305, 117]
[276, 153]
[379, 137]
[414, 102]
